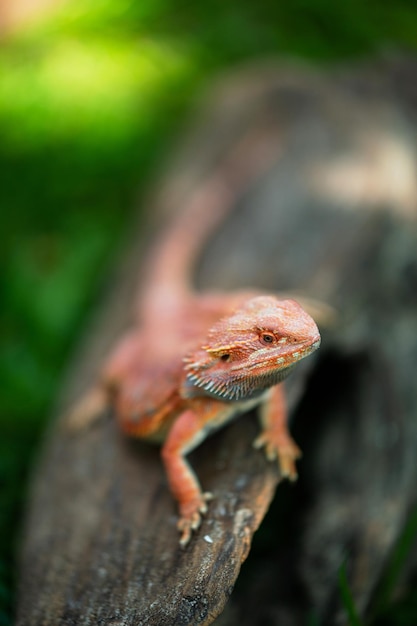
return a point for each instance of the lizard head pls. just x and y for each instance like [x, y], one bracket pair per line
[251, 350]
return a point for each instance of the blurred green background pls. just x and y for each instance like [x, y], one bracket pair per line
[92, 93]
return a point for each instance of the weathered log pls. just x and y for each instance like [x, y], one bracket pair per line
[334, 219]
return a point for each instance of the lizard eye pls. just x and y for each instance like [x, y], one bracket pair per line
[225, 357]
[267, 338]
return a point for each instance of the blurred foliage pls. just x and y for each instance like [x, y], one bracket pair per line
[90, 98]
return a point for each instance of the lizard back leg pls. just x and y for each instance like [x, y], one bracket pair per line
[98, 398]
[87, 410]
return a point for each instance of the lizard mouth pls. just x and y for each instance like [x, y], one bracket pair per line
[247, 381]
[283, 358]
[268, 374]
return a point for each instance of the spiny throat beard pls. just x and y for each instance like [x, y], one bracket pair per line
[232, 386]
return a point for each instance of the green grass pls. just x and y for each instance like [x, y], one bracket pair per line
[90, 99]
[348, 602]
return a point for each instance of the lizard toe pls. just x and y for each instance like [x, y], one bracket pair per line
[191, 520]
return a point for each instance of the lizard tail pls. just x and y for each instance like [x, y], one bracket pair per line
[169, 275]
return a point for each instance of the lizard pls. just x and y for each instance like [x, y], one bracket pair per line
[194, 360]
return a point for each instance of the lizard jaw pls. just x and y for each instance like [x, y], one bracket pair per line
[245, 381]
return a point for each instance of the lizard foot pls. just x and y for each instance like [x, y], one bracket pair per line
[191, 516]
[87, 411]
[284, 449]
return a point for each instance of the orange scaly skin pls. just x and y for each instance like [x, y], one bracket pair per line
[197, 360]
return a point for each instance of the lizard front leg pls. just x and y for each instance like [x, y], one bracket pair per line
[275, 437]
[188, 431]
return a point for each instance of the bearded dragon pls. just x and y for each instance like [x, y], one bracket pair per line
[193, 361]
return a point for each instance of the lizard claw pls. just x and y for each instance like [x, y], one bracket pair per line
[191, 518]
[285, 450]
